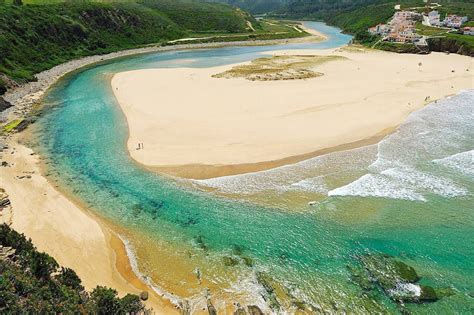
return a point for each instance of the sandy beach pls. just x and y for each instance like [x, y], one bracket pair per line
[190, 124]
[62, 229]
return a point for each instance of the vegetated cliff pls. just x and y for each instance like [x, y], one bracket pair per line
[452, 45]
[34, 38]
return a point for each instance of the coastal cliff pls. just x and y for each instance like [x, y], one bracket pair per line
[451, 45]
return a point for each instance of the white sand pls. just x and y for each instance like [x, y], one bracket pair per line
[186, 117]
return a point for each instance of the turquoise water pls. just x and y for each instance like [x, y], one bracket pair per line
[410, 196]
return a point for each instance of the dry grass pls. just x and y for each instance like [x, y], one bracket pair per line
[354, 48]
[293, 67]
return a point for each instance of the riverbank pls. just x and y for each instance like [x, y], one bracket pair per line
[187, 123]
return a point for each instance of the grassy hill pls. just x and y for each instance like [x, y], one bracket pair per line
[257, 6]
[43, 33]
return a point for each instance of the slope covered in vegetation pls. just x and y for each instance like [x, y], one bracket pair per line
[33, 283]
[36, 37]
[257, 6]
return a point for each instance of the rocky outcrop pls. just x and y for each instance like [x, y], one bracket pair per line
[396, 279]
[254, 310]
[5, 207]
[443, 44]
[4, 104]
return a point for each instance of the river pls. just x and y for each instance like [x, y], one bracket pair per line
[254, 240]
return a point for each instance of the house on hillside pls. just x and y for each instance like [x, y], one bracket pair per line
[400, 29]
[468, 30]
[380, 29]
[434, 18]
[454, 21]
[406, 15]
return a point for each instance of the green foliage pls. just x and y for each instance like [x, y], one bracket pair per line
[258, 6]
[202, 16]
[37, 37]
[32, 283]
[104, 301]
[10, 126]
[359, 20]
[131, 304]
[459, 7]
[453, 42]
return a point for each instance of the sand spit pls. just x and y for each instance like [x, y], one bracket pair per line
[186, 118]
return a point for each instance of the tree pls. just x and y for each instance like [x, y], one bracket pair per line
[30, 282]
[43, 265]
[131, 304]
[104, 301]
[68, 277]
[18, 2]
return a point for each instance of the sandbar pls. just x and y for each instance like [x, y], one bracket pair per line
[189, 123]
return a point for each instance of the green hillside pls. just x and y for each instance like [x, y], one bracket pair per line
[32, 282]
[257, 6]
[202, 16]
[36, 37]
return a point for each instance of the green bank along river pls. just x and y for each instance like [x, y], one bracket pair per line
[252, 239]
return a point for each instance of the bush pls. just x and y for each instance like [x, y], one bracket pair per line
[30, 282]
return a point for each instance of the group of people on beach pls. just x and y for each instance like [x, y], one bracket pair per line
[140, 146]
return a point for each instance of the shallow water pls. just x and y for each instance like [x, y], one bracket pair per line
[409, 196]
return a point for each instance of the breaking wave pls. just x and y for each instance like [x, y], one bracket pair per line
[409, 164]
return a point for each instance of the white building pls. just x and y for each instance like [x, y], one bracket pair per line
[380, 29]
[434, 18]
[468, 30]
[455, 21]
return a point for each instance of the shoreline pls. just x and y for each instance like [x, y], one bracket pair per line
[202, 171]
[24, 98]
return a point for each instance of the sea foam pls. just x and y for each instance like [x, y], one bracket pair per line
[462, 162]
[404, 165]
[404, 168]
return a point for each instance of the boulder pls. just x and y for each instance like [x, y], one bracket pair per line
[4, 104]
[254, 310]
[144, 296]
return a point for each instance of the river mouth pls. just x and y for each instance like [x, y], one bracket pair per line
[265, 246]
